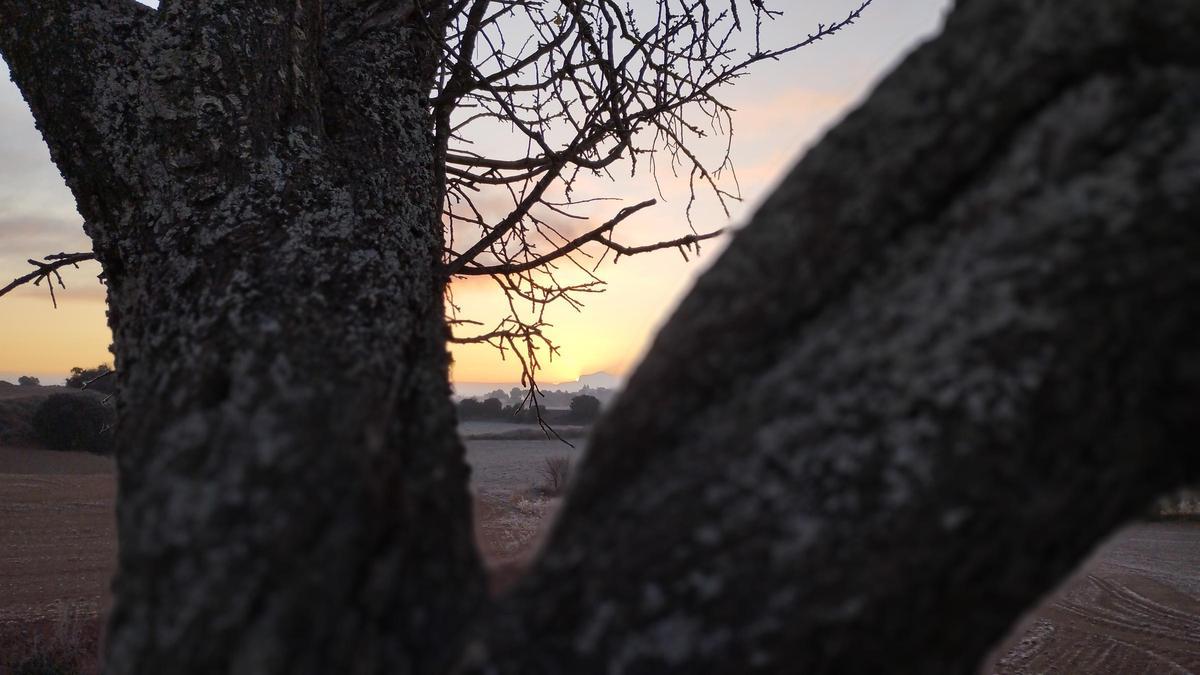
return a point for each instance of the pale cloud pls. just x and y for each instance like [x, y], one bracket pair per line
[37, 212]
[29, 181]
[27, 235]
[30, 236]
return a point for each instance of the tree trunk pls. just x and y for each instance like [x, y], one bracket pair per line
[292, 492]
[955, 348]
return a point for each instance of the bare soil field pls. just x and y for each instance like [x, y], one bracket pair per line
[1134, 607]
[57, 543]
[26, 460]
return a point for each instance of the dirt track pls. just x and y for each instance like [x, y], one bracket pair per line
[1133, 608]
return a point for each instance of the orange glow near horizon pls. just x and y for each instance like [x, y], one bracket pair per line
[47, 342]
[608, 335]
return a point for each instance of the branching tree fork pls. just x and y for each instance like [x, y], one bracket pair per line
[587, 91]
[870, 436]
[586, 88]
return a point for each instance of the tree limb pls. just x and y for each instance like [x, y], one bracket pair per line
[682, 243]
[596, 235]
[74, 63]
[44, 270]
[873, 432]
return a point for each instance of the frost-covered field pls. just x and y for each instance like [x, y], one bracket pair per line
[509, 517]
[487, 427]
[501, 467]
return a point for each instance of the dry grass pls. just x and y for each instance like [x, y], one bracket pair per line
[508, 532]
[530, 434]
[519, 526]
[556, 474]
[69, 644]
[1184, 504]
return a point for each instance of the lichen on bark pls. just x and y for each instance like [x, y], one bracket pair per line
[266, 206]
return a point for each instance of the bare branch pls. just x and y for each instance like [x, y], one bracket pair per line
[105, 372]
[594, 235]
[690, 242]
[586, 88]
[44, 271]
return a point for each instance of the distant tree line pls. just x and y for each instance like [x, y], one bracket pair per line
[547, 398]
[95, 379]
[71, 420]
[580, 409]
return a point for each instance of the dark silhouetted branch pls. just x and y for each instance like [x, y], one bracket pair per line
[46, 270]
[590, 89]
[596, 235]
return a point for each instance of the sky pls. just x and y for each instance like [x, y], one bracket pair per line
[781, 108]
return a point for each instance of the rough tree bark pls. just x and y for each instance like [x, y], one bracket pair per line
[955, 348]
[260, 183]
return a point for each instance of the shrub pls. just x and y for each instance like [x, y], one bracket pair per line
[535, 434]
[1183, 504]
[585, 408]
[97, 379]
[469, 409]
[473, 409]
[492, 408]
[555, 475]
[530, 415]
[16, 420]
[28, 381]
[74, 422]
[68, 645]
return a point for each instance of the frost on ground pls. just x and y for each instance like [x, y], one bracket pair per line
[508, 531]
[520, 524]
[514, 499]
[66, 642]
[504, 467]
[1180, 504]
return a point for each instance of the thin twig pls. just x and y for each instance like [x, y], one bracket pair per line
[45, 270]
